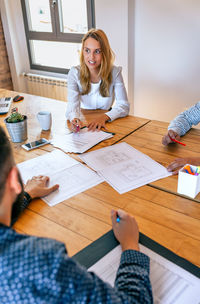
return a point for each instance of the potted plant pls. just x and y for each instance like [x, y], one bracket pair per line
[16, 124]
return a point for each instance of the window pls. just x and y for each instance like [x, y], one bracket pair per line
[54, 29]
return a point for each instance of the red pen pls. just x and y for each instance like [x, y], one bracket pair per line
[177, 141]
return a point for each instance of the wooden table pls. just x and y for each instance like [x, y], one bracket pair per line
[31, 105]
[171, 220]
[148, 140]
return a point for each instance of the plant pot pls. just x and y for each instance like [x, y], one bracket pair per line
[17, 130]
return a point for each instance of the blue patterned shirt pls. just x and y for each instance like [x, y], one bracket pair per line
[184, 121]
[38, 270]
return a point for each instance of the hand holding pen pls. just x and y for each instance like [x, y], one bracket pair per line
[76, 125]
[171, 137]
[177, 141]
[125, 229]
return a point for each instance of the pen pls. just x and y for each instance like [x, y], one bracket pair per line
[118, 218]
[77, 126]
[179, 142]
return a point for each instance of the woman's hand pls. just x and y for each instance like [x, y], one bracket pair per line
[167, 139]
[178, 163]
[75, 125]
[98, 123]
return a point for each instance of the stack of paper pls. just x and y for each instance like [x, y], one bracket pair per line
[72, 176]
[124, 167]
[79, 142]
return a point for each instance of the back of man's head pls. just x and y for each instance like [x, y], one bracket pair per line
[6, 160]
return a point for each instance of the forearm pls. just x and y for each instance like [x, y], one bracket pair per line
[73, 110]
[132, 283]
[118, 111]
[133, 277]
[183, 122]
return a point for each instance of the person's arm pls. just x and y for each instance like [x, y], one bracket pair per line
[73, 100]
[133, 273]
[35, 187]
[121, 105]
[184, 121]
[132, 283]
[19, 206]
[182, 124]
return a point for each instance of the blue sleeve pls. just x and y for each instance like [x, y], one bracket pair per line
[133, 277]
[184, 121]
[19, 206]
[73, 284]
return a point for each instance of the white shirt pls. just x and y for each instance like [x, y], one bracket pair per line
[93, 100]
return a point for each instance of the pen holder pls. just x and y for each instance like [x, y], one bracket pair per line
[188, 184]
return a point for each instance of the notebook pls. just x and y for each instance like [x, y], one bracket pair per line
[5, 103]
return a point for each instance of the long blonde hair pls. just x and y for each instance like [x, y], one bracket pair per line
[105, 71]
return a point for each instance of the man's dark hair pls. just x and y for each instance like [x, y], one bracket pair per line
[6, 160]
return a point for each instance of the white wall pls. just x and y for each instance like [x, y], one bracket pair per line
[111, 17]
[167, 52]
[157, 43]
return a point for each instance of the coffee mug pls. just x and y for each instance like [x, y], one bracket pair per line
[44, 118]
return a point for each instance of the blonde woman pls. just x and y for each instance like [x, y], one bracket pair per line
[96, 83]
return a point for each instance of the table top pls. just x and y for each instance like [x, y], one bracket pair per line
[31, 105]
[167, 218]
[148, 140]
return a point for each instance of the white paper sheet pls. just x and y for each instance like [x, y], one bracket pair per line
[171, 284]
[79, 142]
[124, 167]
[72, 176]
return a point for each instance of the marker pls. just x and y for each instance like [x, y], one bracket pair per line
[77, 126]
[188, 169]
[177, 141]
[118, 218]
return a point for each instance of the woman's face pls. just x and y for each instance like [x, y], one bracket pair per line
[92, 54]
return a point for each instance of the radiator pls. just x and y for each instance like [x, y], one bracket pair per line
[46, 86]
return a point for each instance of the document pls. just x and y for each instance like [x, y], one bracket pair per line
[171, 284]
[72, 176]
[124, 167]
[79, 142]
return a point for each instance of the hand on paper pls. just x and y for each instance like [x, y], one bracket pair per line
[75, 125]
[126, 230]
[167, 140]
[37, 186]
[98, 123]
[178, 163]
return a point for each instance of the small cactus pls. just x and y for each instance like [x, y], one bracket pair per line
[15, 116]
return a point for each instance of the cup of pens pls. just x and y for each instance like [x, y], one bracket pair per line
[189, 180]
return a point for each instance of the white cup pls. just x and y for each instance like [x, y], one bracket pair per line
[44, 118]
